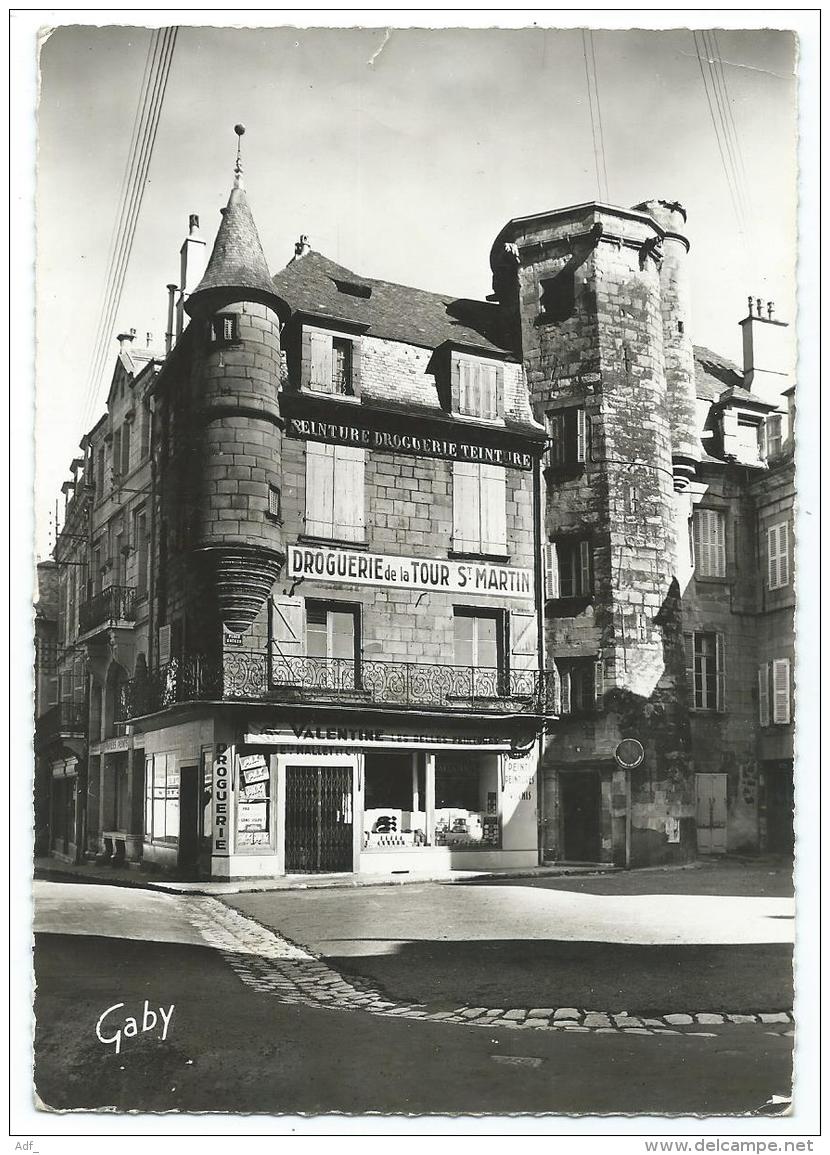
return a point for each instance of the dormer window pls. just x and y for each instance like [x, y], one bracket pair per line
[749, 440]
[477, 387]
[224, 329]
[331, 363]
[341, 366]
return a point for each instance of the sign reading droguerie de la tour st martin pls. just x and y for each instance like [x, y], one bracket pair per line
[414, 573]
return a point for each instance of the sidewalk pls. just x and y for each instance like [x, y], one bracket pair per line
[54, 869]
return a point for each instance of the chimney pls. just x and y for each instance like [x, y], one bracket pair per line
[768, 353]
[301, 247]
[193, 262]
[125, 340]
[171, 313]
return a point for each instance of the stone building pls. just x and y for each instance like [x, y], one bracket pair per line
[412, 583]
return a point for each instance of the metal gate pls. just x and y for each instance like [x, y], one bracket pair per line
[318, 819]
[710, 813]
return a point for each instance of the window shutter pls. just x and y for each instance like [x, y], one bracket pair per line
[781, 691]
[720, 669]
[689, 644]
[164, 645]
[719, 543]
[581, 438]
[320, 377]
[489, 391]
[763, 694]
[551, 570]
[556, 436]
[772, 558]
[493, 499]
[565, 691]
[584, 567]
[125, 449]
[599, 684]
[466, 510]
[730, 433]
[783, 554]
[348, 498]
[522, 641]
[464, 386]
[288, 626]
[319, 489]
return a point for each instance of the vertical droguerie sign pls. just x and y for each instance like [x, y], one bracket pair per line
[221, 796]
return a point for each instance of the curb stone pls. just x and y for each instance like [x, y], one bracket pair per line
[268, 962]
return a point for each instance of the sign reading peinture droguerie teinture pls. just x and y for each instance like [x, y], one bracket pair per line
[415, 573]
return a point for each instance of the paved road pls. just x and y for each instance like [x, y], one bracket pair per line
[642, 942]
[232, 1048]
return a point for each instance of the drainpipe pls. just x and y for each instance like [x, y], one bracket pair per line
[538, 579]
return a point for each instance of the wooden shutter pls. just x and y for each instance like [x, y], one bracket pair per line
[493, 500]
[523, 640]
[599, 684]
[781, 691]
[319, 489]
[320, 374]
[763, 694]
[488, 391]
[565, 691]
[466, 508]
[730, 433]
[778, 556]
[556, 436]
[718, 523]
[551, 560]
[348, 496]
[465, 390]
[164, 645]
[288, 626]
[584, 568]
[720, 671]
[581, 435]
[689, 645]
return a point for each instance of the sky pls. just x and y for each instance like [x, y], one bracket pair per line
[401, 153]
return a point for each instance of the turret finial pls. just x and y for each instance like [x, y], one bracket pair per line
[238, 182]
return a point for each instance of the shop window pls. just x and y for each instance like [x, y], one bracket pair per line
[774, 693]
[394, 808]
[479, 508]
[778, 556]
[466, 802]
[224, 329]
[706, 670]
[581, 686]
[569, 569]
[161, 799]
[253, 807]
[334, 492]
[478, 387]
[331, 633]
[568, 436]
[709, 542]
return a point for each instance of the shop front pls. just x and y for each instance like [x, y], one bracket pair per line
[64, 817]
[324, 798]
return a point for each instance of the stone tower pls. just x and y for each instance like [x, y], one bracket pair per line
[234, 471]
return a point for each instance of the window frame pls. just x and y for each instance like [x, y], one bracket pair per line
[775, 693]
[217, 326]
[592, 672]
[569, 437]
[704, 553]
[479, 503]
[778, 555]
[474, 381]
[349, 462]
[699, 702]
[151, 798]
[581, 555]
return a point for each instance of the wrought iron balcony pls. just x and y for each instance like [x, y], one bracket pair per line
[65, 720]
[112, 607]
[249, 676]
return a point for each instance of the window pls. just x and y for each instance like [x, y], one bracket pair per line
[568, 436]
[331, 637]
[705, 668]
[749, 440]
[568, 569]
[709, 542]
[161, 799]
[140, 542]
[116, 453]
[334, 497]
[145, 428]
[774, 690]
[774, 432]
[557, 296]
[478, 388]
[581, 685]
[466, 801]
[224, 328]
[331, 364]
[479, 647]
[778, 556]
[125, 448]
[274, 502]
[100, 474]
[479, 505]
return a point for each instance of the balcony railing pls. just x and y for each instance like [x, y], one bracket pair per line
[66, 718]
[113, 605]
[252, 677]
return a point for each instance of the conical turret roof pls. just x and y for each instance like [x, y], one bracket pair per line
[237, 261]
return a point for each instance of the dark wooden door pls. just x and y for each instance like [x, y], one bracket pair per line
[318, 819]
[580, 800]
[189, 816]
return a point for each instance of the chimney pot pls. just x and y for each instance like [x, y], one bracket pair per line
[759, 304]
[301, 247]
[770, 309]
[751, 302]
[125, 339]
[193, 223]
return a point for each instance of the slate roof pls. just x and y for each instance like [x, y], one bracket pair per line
[237, 260]
[315, 284]
[714, 374]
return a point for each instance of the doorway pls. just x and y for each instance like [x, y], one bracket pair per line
[189, 817]
[710, 813]
[780, 802]
[318, 819]
[580, 799]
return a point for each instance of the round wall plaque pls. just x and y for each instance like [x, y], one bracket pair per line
[629, 753]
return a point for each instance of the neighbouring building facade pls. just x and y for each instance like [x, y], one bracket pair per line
[360, 578]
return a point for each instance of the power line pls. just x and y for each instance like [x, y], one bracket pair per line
[591, 111]
[725, 159]
[145, 128]
[599, 114]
